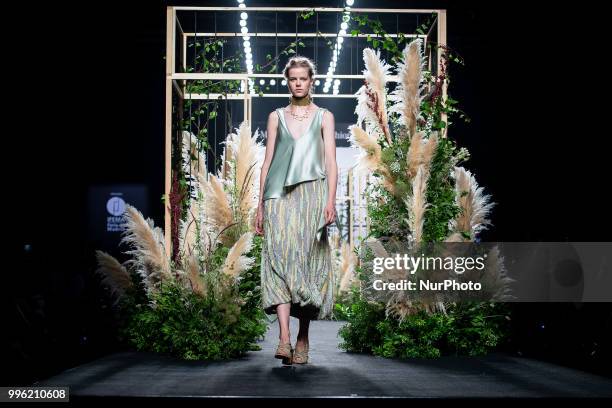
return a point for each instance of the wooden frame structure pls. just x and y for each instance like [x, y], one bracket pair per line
[174, 79]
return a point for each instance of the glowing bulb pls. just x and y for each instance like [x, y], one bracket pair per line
[244, 30]
[344, 26]
[340, 40]
[317, 82]
[243, 23]
[284, 82]
[348, 2]
[244, 16]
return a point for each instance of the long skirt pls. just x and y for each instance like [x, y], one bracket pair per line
[296, 267]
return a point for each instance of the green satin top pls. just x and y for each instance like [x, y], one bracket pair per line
[297, 160]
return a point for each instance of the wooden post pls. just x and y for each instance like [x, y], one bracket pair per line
[442, 41]
[349, 178]
[170, 37]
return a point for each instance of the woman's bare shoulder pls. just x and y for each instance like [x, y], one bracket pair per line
[327, 113]
[273, 116]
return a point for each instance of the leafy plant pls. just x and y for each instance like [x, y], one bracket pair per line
[465, 329]
[191, 327]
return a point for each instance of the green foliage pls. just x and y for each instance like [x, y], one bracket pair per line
[249, 288]
[225, 323]
[360, 334]
[466, 329]
[387, 213]
[441, 193]
[192, 327]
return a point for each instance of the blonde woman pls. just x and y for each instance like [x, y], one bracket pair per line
[297, 203]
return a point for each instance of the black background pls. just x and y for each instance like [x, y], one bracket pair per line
[85, 106]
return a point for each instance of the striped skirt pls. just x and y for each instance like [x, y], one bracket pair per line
[297, 268]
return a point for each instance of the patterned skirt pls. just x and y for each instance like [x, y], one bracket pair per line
[297, 268]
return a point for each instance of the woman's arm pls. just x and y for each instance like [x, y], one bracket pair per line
[271, 128]
[331, 166]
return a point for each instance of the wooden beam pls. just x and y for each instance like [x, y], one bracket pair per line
[442, 41]
[170, 49]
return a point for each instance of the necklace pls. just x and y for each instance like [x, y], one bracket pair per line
[300, 116]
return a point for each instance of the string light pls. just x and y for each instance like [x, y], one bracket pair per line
[337, 47]
[246, 44]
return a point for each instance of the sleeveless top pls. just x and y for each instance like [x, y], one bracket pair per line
[297, 160]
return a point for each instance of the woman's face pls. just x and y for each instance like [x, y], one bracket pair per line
[299, 82]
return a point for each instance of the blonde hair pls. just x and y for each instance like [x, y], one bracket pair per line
[299, 61]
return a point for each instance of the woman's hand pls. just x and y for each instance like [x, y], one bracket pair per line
[259, 220]
[330, 213]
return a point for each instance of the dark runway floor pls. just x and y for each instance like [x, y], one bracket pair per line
[331, 373]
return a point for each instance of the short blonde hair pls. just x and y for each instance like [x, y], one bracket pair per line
[299, 61]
